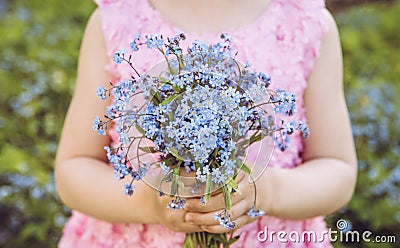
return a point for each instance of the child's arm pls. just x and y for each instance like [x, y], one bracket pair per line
[325, 181]
[84, 181]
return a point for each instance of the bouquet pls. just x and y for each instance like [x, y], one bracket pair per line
[186, 124]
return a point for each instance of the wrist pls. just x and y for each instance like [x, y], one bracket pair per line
[141, 206]
[267, 190]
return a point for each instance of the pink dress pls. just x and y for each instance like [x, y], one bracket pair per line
[283, 42]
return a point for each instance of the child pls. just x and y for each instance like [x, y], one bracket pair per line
[296, 42]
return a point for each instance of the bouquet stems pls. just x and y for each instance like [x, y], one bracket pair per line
[208, 240]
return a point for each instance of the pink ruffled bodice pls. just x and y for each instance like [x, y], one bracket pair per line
[283, 42]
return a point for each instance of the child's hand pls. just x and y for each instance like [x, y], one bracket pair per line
[173, 219]
[203, 214]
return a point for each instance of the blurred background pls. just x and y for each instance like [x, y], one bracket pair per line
[39, 44]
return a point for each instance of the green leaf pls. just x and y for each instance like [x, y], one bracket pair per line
[232, 183]
[198, 165]
[140, 130]
[156, 98]
[257, 136]
[163, 80]
[170, 161]
[174, 152]
[176, 88]
[169, 99]
[148, 149]
[246, 169]
[243, 166]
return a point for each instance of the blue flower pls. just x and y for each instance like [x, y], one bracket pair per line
[154, 41]
[120, 171]
[189, 167]
[101, 92]
[124, 90]
[134, 44]
[254, 213]
[282, 141]
[141, 172]
[230, 167]
[177, 203]
[119, 56]
[290, 126]
[98, 125]
[129, 189]
[109, 151]
[101, 132]
[225, 155]
[165, 169]
[160, 192]
[266, 79]
[217, 176]
[304, 130]
[124, 138]
[136, 175]
[224, 219]
[195, 189]
[286, 108]
[226, 37]
[284, 97]
[201, 176]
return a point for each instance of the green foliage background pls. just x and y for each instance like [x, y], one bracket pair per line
[38, 53]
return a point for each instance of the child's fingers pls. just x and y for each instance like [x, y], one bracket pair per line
[190, 228]
[236, 211]
[174, 220]
[215, 203]
[241, 221]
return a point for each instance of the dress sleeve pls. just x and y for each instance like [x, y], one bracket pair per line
[111, 19]
[314, 26]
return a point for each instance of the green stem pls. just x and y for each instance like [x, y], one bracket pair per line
[208, 188]
[227, 197]
[255, 190]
